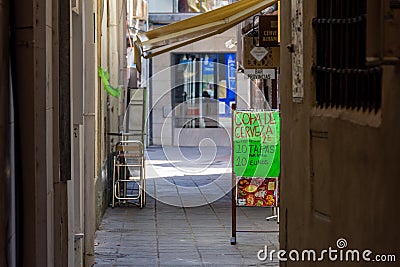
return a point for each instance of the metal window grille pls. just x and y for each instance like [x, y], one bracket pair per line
[343, 80]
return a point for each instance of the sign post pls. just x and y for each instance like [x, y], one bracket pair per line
[255, 160]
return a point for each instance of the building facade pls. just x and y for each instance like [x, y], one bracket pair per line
[340, 73]
[192, 88]
[189, 104]
[54, 127]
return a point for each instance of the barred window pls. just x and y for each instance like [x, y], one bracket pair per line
[343, 79]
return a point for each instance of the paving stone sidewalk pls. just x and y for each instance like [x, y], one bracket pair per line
[187, 218]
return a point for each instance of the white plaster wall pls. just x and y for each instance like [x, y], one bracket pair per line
[243, 91]
[161, 87]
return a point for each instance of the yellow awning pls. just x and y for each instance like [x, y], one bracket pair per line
[172, 36]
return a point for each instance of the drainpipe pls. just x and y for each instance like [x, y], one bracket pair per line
[122, 48]
[90, 16]
[115, 20]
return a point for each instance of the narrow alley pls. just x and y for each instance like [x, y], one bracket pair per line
[199, 133]
[187, 218]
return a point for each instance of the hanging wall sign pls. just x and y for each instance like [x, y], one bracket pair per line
[268, 31]
[259, 57]
[260, 74]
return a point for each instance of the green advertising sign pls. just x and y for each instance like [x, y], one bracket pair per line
[256, 138]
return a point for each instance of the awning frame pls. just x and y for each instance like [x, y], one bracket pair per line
[178, 34]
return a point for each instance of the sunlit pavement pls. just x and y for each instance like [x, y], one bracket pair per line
[190, 222]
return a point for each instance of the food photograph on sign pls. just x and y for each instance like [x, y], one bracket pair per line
[257, 192]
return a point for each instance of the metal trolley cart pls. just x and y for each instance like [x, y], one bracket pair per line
[129, 184]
